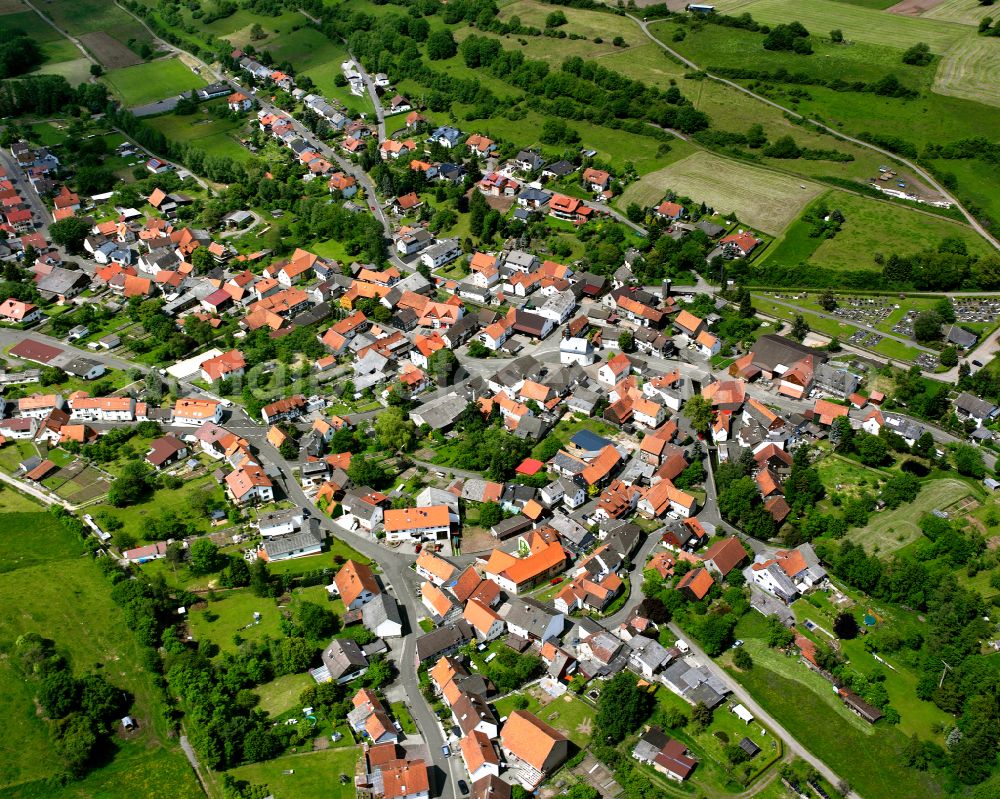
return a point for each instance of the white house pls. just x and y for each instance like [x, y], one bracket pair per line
[102, 409]
[615, 370]
[708, 344]
[479, 756]
[417, 524]
[444, 252]
[279, 522]
[195, 411]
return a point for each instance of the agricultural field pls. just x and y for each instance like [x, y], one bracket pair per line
[109, 51]
[99, 638]
[215, 136]
[136, 770]
[858, 24]
[767, 201]
[965, 12]
[157, 80]
[894, 529]
[870, 226]
[310, 775]
[80, 17]
[714, 46]
[970, 70]
[54, 46]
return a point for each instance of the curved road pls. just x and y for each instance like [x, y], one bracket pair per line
[973, 222]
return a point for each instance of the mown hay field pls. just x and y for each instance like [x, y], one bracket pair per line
[765, 200]
[971, 70]
[857, 23]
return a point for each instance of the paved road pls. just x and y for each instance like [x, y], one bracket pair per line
[928, 178]
[762, 715]
[398, 579]
[26, 190]
[373, 95]
[27, 488]
[604, 208]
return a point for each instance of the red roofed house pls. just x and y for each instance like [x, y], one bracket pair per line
[596, 179]
[669, 210]
[739, 245]
[615, 370]
[66, 200]
[533, 744]
[697, 583]
[18, 312]
[228, 364]
[432, 523]
[239, 102]
[515, 575]
[569, 208]
[825, 412]
[347, 185]
[249, 484]
[724, 556]
[407, 202]
[355, 584]
[689, 324]
[479, 756]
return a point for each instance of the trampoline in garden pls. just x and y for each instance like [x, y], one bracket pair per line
[870, 620]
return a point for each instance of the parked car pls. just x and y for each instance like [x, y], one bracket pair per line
[463, 788]
[446, 750]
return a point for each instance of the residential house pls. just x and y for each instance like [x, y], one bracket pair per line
[666, 755]
[484, 620]
[343, 661]
[249, 483]
[165, 451]
[479, 756]
[527, 740]
[418, 524]
[355, 584]
[724, 556]
[195, 411]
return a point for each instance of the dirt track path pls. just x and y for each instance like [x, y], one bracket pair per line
[73, 39]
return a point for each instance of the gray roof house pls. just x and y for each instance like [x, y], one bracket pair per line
[381, 616]
[529, 619]
[444, 641]
[969, 406]
[343, 660]
[647, 656]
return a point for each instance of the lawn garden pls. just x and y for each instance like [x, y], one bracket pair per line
[309, 775]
